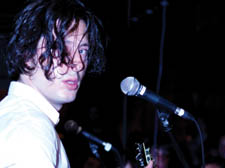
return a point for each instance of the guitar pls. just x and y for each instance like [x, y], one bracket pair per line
[143, 156]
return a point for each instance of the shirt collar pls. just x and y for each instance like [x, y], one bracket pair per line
[27, 92]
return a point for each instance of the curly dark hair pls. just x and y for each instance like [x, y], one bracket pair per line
[38, 19]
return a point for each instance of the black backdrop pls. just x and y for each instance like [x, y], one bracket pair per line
[192, 69]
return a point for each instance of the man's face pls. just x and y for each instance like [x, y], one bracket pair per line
[66, 79]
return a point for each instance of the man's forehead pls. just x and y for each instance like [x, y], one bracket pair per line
[76, 27]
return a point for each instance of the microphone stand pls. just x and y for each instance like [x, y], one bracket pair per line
[163, 117]
[178, 151]
[94, 148]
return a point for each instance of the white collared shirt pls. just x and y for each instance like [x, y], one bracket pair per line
[27, 131]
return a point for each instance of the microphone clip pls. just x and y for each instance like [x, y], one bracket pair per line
[164, 118]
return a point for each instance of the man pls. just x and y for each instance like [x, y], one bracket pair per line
[53, 44]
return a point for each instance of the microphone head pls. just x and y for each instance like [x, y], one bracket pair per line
[130, 86]
[72, 127]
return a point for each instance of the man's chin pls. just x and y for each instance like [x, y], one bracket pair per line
[70, 99]
[65, 99]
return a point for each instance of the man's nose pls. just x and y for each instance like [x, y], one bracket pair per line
[77, 66]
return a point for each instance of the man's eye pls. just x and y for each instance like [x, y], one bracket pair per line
[83, 51]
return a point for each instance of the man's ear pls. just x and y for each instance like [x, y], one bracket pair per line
[41, 46]
[33, 62]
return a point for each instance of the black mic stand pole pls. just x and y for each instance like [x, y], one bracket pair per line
[164, 4]
[124, 128]
[124, 118]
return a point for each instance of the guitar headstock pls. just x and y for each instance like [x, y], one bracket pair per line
[143, 155]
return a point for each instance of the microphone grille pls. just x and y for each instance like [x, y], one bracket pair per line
[130, 86]
[71, 126]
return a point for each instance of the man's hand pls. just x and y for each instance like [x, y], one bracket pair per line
[150, 165]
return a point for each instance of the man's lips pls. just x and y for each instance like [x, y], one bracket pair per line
[71, 84]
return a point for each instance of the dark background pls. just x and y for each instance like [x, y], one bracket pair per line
[192, 76]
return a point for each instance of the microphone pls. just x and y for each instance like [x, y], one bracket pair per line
[73, 127]
[131, 86]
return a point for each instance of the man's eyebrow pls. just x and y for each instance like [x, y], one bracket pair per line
[84, 44]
